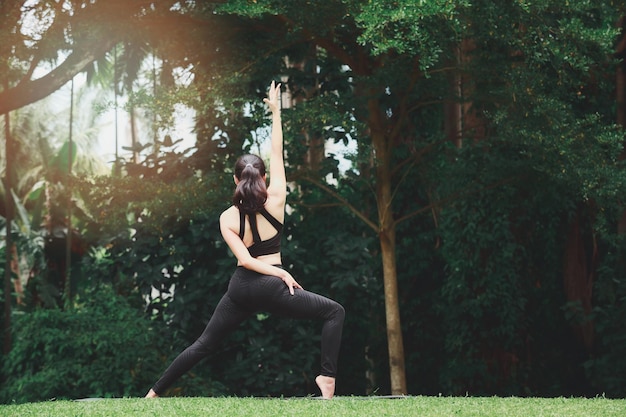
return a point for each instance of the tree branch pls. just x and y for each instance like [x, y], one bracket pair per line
[89, 44]
[343, 202]
[27, 92]
[453, 197]
[328, 205]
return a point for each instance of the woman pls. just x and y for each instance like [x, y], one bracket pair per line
[252, 229]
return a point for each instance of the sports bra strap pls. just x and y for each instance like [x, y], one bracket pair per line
[273, 221]
[242, 224]
[255, 230]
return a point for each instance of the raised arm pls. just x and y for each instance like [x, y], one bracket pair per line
[278, 182]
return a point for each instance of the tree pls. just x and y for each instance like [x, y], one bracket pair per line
[410, 61]
[551, 63]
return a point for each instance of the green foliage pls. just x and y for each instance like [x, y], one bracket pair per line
[269, 356]
[483, 298]
[606, 363]
[405, 27]
[31, 244]
[101, 347]
[155, 233]
[483, 228]
[502, 244]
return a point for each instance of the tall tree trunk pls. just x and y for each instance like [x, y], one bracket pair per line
[579, 271]
[67, 292]
[453, 111]
[387, 237]
[133, 134]
[15, 269]
[620, 93]
[620, 79]
[361, 64]
[7, 342]
[8, 187]
[473, 125]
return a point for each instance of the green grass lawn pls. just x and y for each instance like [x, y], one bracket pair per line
[338, 407]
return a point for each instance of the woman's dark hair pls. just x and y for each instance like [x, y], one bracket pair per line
[251, 192]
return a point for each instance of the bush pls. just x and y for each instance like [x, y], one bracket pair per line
[101, 347]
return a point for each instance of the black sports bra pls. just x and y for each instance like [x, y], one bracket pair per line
[261, 247]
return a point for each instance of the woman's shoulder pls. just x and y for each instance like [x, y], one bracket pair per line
[229, 215]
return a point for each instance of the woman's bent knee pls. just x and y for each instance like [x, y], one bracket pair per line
[338, 311]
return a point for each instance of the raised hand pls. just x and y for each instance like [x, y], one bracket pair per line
[273, 98]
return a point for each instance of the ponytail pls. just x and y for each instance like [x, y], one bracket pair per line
[251, 192]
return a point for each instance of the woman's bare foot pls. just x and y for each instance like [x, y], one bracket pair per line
[326, 384]
[151, 394]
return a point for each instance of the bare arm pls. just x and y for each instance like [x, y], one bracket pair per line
[278, 181]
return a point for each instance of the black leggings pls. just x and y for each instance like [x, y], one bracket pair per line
[250, 292]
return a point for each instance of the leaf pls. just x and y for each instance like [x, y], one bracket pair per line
[21, 210]
[63, 160]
